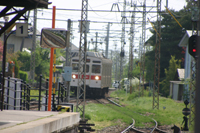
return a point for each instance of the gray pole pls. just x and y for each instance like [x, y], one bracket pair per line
[107, 39]
[96, 42]
[68, 57]
[32, 63]
[122, 42]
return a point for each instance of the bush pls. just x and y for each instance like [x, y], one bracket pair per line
[23, 75]
[136, 94]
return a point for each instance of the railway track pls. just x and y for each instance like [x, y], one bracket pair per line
[131, 128]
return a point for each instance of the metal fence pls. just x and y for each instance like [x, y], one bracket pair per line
[18, 95]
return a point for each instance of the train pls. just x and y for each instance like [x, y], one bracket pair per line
[98, 74]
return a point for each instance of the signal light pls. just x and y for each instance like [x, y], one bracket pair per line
[192, 48]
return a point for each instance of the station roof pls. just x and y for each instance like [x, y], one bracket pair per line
[25, 3]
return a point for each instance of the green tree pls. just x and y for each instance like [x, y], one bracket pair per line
[171, 34]
[170, 75]
[42, 62]
[25, 58]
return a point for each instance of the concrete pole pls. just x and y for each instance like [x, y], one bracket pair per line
[107, 39]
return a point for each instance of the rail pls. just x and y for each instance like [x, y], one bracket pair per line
[156, 124]
[131, 127]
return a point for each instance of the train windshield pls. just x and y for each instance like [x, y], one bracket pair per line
[75, 67]
[96, 68]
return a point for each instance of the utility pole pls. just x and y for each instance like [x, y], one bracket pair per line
[131, 47]
[142, 67]
[116, 61]
[96, 41]
[68, 56]
[81, 90]
[107, 39]
[32, 62]
[122, 53]
[157, 59]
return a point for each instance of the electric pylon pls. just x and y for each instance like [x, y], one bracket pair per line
[142, 67]
[132, 28]
[157, 59]
[81, 90]
[122, 53]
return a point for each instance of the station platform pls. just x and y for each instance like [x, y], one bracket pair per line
[18, 121]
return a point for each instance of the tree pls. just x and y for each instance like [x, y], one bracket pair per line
[171, 34]
[170, 74]
[25, 58]
[42, 62]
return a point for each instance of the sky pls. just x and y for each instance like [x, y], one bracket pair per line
[62, 15]
[105, 17]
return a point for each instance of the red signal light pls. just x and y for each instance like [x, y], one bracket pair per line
[194, 50]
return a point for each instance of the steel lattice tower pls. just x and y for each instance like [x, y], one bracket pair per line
[157, 59]
[132, 28]
[142, 67]
[192, 92]
[32, 62]
[192, 87]
[122, 40]
[82, 60]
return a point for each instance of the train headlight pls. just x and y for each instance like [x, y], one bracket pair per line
[96, 77]
[73, 76]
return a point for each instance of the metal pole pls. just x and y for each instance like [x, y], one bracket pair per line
[4, 66]
[51, 63]
[107, 39]
[197, 98]
[157, 59]
[96, 41]
[40, 89]
[122, 41]
[81, 89]
[68, 56]
[32, 62]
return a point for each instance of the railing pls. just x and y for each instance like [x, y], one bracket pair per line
[18, 95]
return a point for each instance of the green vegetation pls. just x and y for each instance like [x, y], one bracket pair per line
[139, 108]
[23, 75]
[170, 74]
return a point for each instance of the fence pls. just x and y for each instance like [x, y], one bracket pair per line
[18, 95]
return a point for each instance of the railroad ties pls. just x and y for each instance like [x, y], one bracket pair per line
[84, 126]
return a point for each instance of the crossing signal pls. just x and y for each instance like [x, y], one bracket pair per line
[192, 49]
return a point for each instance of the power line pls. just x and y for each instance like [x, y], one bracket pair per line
[130, 11]
[89, 21]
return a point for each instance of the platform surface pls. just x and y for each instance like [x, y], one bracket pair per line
[17, 121]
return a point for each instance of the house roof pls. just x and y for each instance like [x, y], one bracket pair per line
[184, 40]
